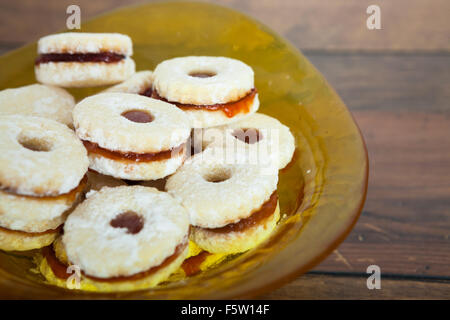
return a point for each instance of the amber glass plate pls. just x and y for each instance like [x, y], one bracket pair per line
[321, 192]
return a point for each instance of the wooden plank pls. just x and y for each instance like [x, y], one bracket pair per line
[407, 25]
[405, 226]
[319, 286]
[388, 81]
[401, 105]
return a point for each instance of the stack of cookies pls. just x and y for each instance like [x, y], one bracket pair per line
[138, 182]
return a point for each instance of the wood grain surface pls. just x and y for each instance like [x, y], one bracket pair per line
[396, 81]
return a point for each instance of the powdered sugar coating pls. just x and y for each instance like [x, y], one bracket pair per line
[40, 173]
[216, 204]
[277, 142]
[104, 251]
[84, 74]
[85, 42]
[137, 83]
[38, 100]
[98, 119]
[233, 79]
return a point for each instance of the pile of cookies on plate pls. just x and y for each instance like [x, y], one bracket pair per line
[148, 178]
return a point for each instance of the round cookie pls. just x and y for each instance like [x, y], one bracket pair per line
[211, 90]
[42, 165]
[264, 136]
[84, 59]
[38, 100]
[142, 233]
[226, 198]
[141, 83]
[132, 137]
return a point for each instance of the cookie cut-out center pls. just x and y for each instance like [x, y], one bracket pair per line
[218, 176]
[202, 74]
[139, 116]
[35, 144]
[129, 220]
[248, 135]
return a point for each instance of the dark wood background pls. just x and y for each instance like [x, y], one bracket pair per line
[396, 82]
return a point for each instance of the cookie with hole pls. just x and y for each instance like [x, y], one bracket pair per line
[259, 134]
[211, 90]
[233, 205]
[82, 59]
[38, 100]
[42, 177]
[121, 239]
[129, 136]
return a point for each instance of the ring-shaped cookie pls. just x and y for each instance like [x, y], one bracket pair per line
[262, 135]
[225, 197]
[134, 229]
[42, 166]
[39, 156]
[133, 137]
[212, 90]
[40, 101]
[218, 192]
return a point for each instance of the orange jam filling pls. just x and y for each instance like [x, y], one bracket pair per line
[266, 210]
[60, 269]
[93, 147]
[106, 57]
[230, 109]
[192, 265]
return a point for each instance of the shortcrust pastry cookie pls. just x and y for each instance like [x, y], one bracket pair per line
[42, 176]
[232, 207]
[84, 59]
[132, 137]
[211, 90]
[261, 135]
[123, 238]
[40, 101]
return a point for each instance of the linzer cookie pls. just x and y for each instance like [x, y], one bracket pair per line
[263, 136]
[141, 83]
[84, 59]
[40, 101]
[124, 238]
[211, 90]
[232, 207]
[42, 165]
[132, 137]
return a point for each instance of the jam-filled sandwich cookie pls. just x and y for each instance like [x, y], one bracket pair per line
[132, 137]
[140, 83]
[42, 169]
[232, 207]
[264, 136]
[212, 90]
[84, 59]
[124, 238]
[40, 101]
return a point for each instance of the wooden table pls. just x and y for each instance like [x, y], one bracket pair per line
[396, 81]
